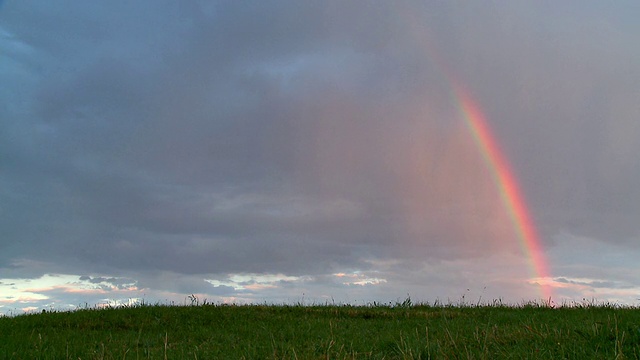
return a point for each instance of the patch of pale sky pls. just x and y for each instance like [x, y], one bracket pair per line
[31, 290]
[252, 281]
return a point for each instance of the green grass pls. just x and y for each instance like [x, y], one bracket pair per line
[400, 331]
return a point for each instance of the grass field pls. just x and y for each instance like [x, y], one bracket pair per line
[392, 331]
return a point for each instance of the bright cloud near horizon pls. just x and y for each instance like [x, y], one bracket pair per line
[317, 151]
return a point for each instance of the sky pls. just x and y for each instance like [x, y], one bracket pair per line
[318, 152]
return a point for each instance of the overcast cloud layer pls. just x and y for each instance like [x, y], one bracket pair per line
[287, 150]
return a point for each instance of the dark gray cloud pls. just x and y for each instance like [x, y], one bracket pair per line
[303, 138]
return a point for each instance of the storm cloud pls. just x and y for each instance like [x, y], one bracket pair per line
[182, 146]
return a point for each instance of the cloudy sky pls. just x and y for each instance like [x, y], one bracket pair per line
[315, 151]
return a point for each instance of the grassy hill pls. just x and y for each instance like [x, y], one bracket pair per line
[400, 331]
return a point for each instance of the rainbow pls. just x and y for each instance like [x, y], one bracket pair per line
[507, 184]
